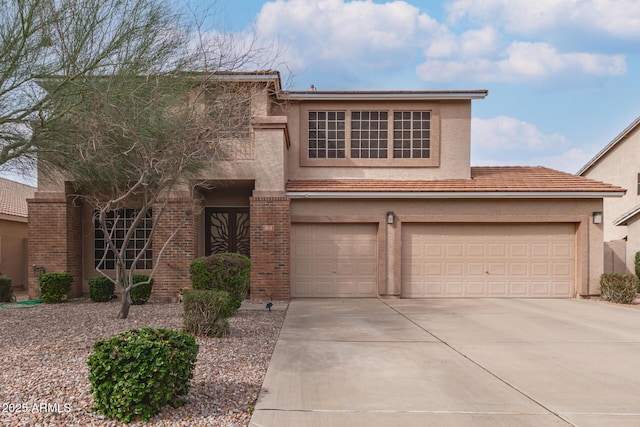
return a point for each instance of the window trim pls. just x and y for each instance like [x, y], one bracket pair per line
[389, 161]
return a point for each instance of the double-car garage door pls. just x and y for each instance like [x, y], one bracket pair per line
[488, 260]
[437, 260]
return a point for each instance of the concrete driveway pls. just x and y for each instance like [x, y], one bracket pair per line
[453, 362]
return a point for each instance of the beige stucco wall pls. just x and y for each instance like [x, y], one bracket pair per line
[589, 243]
[633, 245]
[454, 123]
[13, 250]
[620, 166]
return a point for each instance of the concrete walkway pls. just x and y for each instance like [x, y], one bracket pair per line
[453, 362]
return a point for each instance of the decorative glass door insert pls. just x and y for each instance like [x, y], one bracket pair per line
[227, 230]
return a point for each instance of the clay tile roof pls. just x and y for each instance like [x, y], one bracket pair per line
[483, 179]
[13, 197]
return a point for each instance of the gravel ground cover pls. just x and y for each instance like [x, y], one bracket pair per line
[44, 351]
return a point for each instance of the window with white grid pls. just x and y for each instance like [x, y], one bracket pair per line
[369, 134]
[327, 134]
[411, 134]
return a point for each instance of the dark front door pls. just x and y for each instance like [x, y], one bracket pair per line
[226, 230]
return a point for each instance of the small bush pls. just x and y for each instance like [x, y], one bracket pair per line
[101, 289]
[637, 264]
[618, 288]
[225, 272]
[141, 293]
[6, 291]
[138, 372]
[55, 286]
[206, 312]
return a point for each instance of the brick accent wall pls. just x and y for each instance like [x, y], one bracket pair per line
[172, 274]
[270, 247]
[55, 240]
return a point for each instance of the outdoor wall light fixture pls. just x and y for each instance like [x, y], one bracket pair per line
[38, 270]
[390, 217]
[597, 217]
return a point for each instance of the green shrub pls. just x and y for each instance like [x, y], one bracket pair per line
[55, 286]
[138, 372]
[637, 263]
[206, 312]
[141, 293]
[225, 272]
[6, 291]
[618, 288]
[101, 289]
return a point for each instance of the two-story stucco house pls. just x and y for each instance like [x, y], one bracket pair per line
[619, 163]
[364, 194]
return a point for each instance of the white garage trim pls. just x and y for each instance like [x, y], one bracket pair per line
[334, 260]
[488, 260]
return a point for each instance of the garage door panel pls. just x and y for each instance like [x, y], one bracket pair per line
[518, 269]
[475, 250]
[540, 250]
[476, 289]
[475, 269]
[334, 260]
[491, 260]
[518, 250]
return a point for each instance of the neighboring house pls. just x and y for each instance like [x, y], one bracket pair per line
[619, 163]
[362, 194]
[13, 231]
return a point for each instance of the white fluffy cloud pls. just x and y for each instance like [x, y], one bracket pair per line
[393, 37]
[356, 32]
[620, 18]
[520, 61]
[505, 133]
[506, 140]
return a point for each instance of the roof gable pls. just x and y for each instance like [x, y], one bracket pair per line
[610, 146]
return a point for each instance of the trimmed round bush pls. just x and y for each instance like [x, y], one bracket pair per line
[6, 290]
[138, 372]
[101, 289]
[227, 272]
[55, 286]
[141, 293]
[206, 312]
[618, 288]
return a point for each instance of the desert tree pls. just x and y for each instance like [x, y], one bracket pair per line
[66, 39]
[133, 137]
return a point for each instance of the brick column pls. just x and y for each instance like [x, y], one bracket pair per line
[270, 247]
[172, 273]
[55, 240]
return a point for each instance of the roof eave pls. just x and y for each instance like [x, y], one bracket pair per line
[384, 96]
[451, 194]
[609, 146]
[625, 217]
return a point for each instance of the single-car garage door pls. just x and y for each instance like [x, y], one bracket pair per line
[334, 260]
[488, 260]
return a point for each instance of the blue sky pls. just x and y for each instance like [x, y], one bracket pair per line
[563, 75]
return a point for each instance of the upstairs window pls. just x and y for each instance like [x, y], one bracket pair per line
[327, 134]
[369, 137]
[369, 134]
[411, 134]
